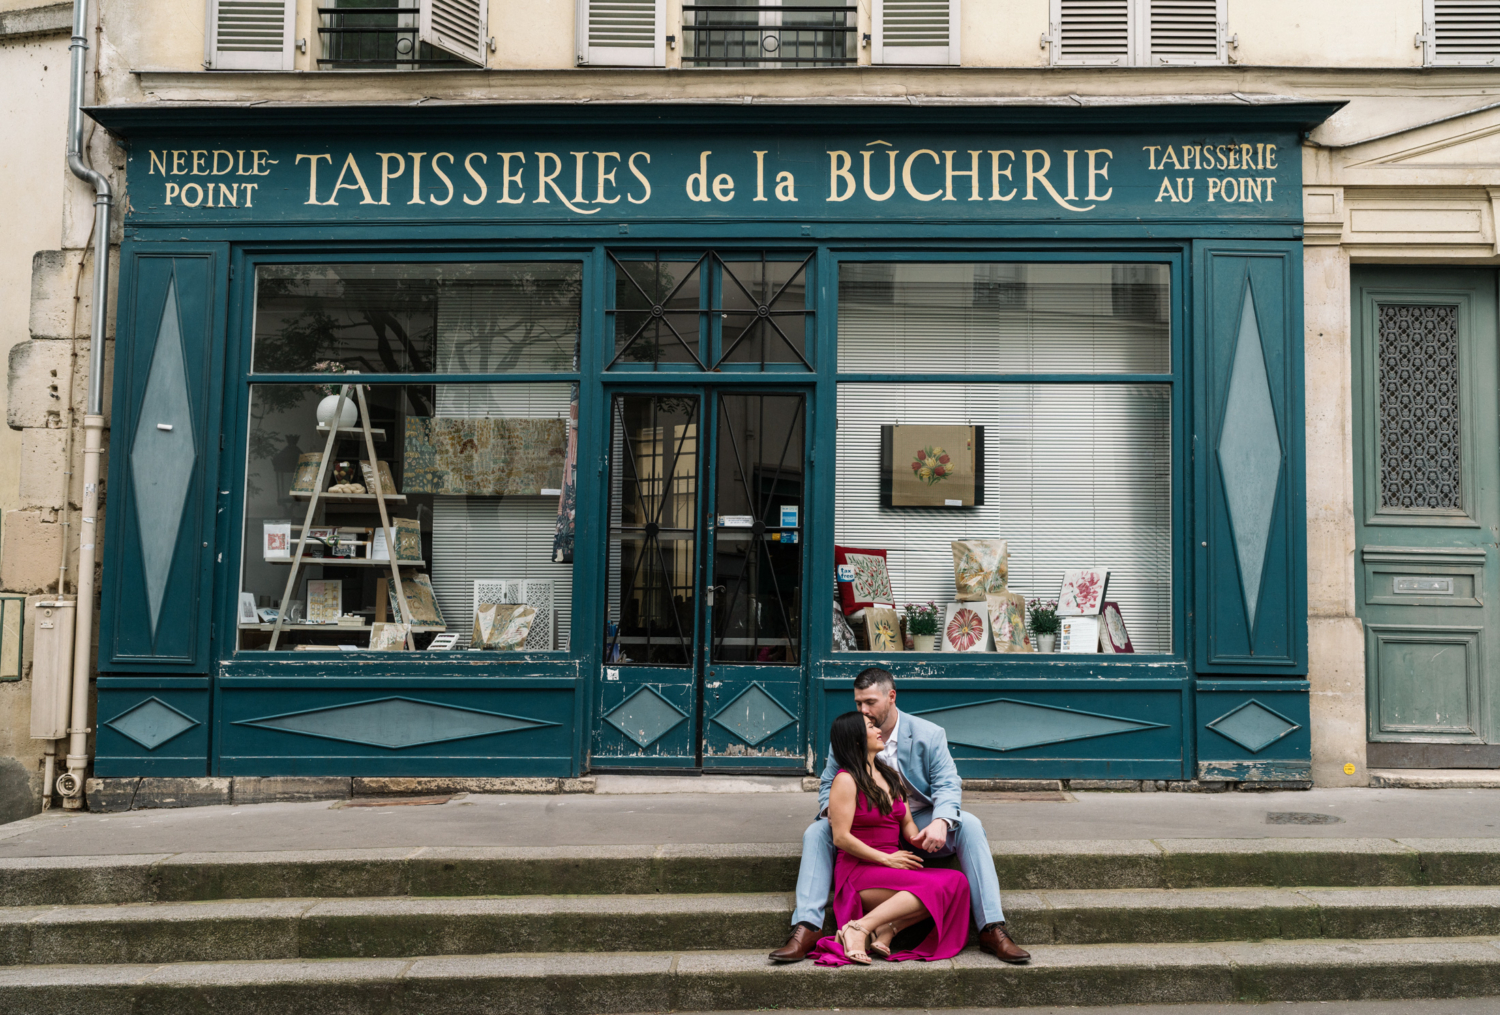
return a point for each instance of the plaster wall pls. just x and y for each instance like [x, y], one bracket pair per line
[33, 108]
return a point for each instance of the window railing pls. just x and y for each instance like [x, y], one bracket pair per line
[728, 35]
[375, 37]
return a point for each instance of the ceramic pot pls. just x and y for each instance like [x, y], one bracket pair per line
[1046, 643]
[330, 405]
[923, 642]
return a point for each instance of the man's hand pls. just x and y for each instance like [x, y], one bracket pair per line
[934, 837]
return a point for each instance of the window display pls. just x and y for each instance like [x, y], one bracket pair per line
[1071, 480]
[465, 485]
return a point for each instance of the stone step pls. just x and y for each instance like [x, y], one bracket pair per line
[565, 984]
[384, 928]
[689, 869]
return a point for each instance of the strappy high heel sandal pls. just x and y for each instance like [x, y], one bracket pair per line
[879, 948]
[860, 957]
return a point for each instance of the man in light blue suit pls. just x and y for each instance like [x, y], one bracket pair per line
[918, 750]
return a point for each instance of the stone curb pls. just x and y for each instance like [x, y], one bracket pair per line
[402, 927]
[113, 795]
[703, 981]
[684, 869]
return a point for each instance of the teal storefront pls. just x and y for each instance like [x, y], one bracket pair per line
[630, 377]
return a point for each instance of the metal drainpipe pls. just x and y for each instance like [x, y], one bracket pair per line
[70, 783]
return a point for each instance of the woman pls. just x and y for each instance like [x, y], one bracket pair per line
[879, 888]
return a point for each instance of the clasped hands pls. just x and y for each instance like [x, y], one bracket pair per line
[932, 838]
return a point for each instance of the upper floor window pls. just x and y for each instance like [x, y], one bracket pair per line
[1137, 33]
[1460, 32]
[364, 34]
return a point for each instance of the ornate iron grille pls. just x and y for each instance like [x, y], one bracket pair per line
[371, 37]
[738, 35]
[1420, 466]
[755, 305]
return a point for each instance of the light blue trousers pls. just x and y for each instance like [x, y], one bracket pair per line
[815, 878]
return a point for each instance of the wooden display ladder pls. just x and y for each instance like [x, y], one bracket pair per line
[380, 497]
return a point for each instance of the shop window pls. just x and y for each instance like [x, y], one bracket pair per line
[492, 318]
[402, 34]
[777, 33]
[743, 310]
[1071, 474]
[477, 478]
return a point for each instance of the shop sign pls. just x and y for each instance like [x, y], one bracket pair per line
[1002, 177]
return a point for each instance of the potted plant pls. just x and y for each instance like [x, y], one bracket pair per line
[348, 414]
[1042, 615]
[922, 623]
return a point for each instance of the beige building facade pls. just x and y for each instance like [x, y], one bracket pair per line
[1399, 185]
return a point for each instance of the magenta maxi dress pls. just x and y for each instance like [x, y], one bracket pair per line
[945, 893]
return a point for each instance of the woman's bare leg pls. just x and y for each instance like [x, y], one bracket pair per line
[886, 932]
[893, 908]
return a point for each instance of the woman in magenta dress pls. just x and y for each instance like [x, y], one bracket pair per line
[879, 889]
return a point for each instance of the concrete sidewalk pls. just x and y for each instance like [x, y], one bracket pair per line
[749, 818]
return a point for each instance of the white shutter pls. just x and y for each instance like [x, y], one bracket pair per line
[1187, 31]
[455, 26]
[250, 34]
[1461, 32]
[622, 33]
[1091, 32]
[915, 32]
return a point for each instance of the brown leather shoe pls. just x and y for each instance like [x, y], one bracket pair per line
[799, 944]
[995, 939]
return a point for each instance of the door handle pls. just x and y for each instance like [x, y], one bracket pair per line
[714, 590]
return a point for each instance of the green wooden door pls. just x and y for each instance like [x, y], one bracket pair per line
[1427, 516]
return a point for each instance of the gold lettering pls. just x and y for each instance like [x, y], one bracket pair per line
[1260, 156]
[416, 178]
[972, 173]
[1094, 173]
[1189, 198]
[906, 175]
[312, 176]
[1151, 150]
[469, 165]
[200, 158]
[241, 153]
[578, 158]
[195, 189]
[697, 183]
[228, 155]
[1250, 189]
[358, 184]
[507, 178]
[172, 191]
[606, 177]
[249, 191]
[550, 180]
[1215, 186]
[838, 171]
[639, 176]
[1072, 194]
[1033, 175]
[996, 172]
[1171, 155]
[386, 176]
[724, 183]
[760, 176]
[229, 195]
[1165, 190]
[1270, 156]
[258, 158]
[890, 178]
[786, 187]
[443, 176]
[1270, 182]
[157, 160]
[179, 161]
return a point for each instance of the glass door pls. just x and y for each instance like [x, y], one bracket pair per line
[703, 626]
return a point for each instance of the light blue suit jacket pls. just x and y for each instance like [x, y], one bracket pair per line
[931, 777]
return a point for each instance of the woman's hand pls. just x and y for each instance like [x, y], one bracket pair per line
[903, 860]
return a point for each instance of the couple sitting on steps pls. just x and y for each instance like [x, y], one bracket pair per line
[890, 778]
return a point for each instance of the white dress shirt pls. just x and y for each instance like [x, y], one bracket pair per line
[888, 754]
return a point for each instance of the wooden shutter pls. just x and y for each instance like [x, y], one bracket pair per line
[1092, 32]
[250, 34]
[1250, 531]
[622, 33]
[455, 26]
[1186, 31]
[915, 32]
[158, 564]
[1461, 32]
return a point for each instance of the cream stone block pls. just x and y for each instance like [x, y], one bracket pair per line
[44, 463]
[1003, 33]
[57, 277]
[37, 383]
[539, 34]
[29, 553]
[1336, 670]
[1329, 426]
[1326, 33]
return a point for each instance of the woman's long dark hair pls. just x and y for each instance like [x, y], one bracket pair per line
[847, 738]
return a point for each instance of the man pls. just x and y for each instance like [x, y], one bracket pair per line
[918, 751]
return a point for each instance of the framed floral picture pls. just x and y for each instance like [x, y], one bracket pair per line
[966, 628]
[863, 578]
[1112, 634]
[1008, 622]
[1082, 592]
[925, 465]
[883, 626]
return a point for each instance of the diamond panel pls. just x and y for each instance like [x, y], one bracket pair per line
[1250, 455]
[395, 723]
[151, 723]
[754, 715]
[162, 457]
[1419, 408]
[1253, 726]
[645, 717]
[1006, 725]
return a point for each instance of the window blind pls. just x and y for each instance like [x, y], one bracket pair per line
[1091, 32]
[915, 32]
[455, 26]
[622, 33]
[1186, 31]
[250, 34]
[1462, 31]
